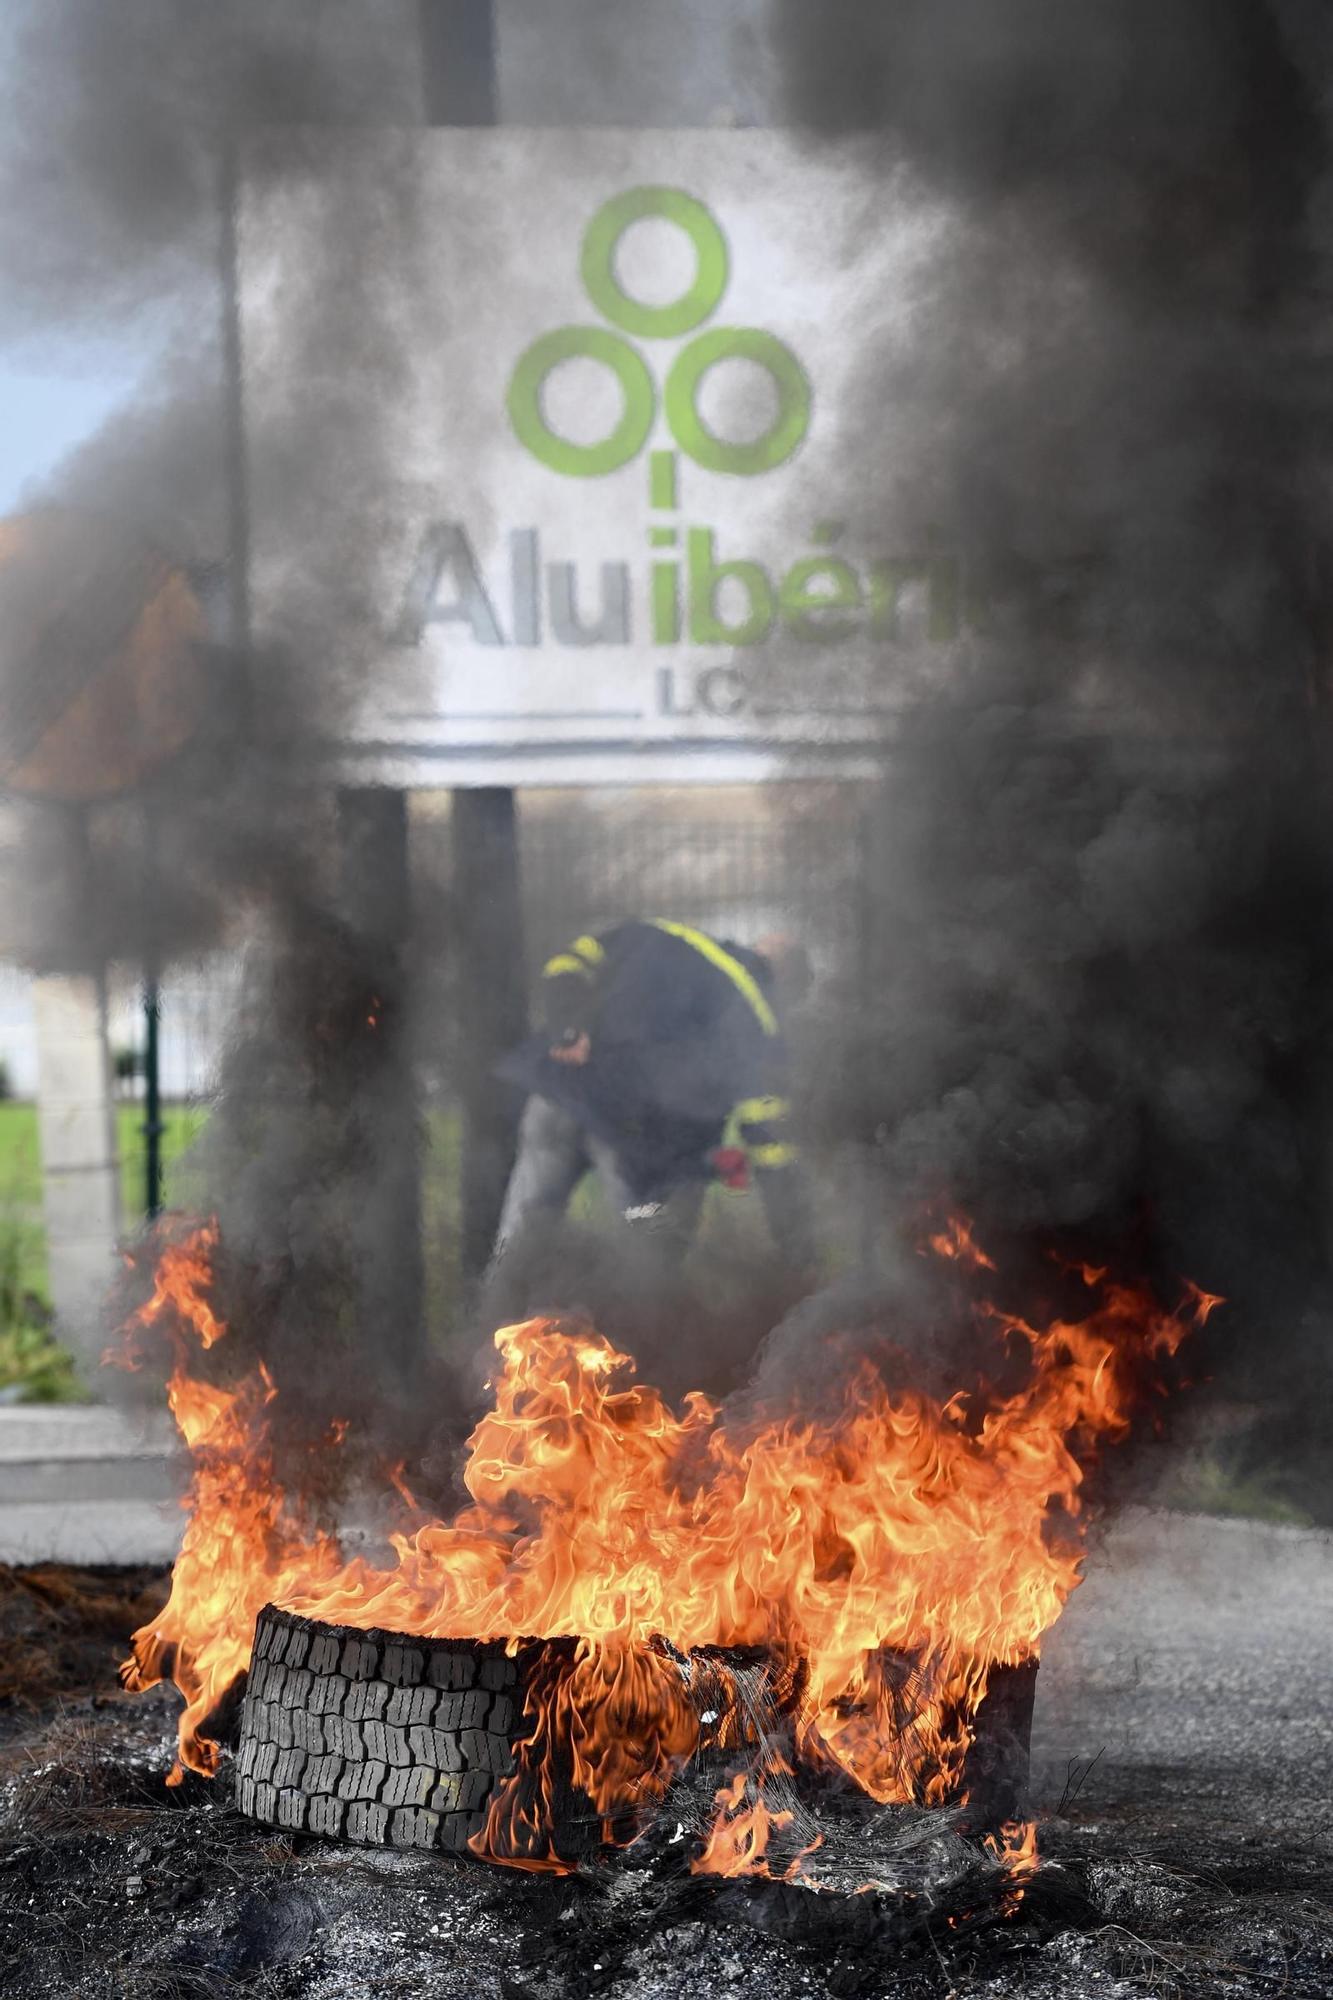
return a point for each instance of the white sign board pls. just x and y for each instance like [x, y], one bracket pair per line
[558, 444]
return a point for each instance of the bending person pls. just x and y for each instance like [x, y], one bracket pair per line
[662, 1063]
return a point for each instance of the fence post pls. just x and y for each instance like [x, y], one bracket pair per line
[152, 1096]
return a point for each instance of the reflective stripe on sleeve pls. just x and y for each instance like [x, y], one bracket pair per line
[723, 961]
[761, 1110]
[565, 962]
[755, 1125]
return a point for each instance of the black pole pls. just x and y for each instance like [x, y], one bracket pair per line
[152, 1024]
[373, 841]
[460, 87]
[492, 1005]
[458, 65]
[152, 1098]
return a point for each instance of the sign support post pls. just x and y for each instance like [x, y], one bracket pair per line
[376, 896]
[459, 87]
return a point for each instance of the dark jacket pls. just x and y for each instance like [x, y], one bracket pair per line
[686, 1049]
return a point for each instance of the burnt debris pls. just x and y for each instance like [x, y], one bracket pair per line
[111, 1884]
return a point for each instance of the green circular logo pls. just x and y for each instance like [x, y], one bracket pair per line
[795, 398]
[599, 263]
[626, 441]
[681, 316]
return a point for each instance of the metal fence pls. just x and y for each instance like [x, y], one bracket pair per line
[196, 1013]
[734, 879]
[580, 870]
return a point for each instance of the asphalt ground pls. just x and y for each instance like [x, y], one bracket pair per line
[1196, 1663]
[1183, 1779]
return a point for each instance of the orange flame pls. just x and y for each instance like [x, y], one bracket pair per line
[238, 1513]
[396, 1474]
[888, 1527]
[954, 1241]
[1015, 1848]
[738, 1842]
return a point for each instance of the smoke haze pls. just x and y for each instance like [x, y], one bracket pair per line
[122, 132]
[1100, 897]
[1101, 1002]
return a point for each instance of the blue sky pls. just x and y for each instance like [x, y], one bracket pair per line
[46, 411]
[42, 417]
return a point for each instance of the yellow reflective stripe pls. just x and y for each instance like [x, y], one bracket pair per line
[761, 1110]
[755, 1113]
[565, 962]
[589, 950]
[710, 949]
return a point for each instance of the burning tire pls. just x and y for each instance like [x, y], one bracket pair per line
[389, 1740]
[374, 1737]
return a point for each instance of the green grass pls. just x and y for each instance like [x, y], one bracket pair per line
[182, 1122]
[31, 1363]
[20, 1160]
[36, 1369]
[33, 1368]
[21, 1175]
[20, 1152]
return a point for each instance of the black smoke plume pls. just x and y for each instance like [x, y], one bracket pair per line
[126, 132]
[1100, 1003]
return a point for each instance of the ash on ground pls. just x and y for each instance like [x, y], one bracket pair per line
[1171, 1884]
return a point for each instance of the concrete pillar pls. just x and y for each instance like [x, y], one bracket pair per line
[80, 1173]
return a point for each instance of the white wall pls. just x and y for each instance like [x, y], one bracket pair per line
[18, 1040]
[197, 1007]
